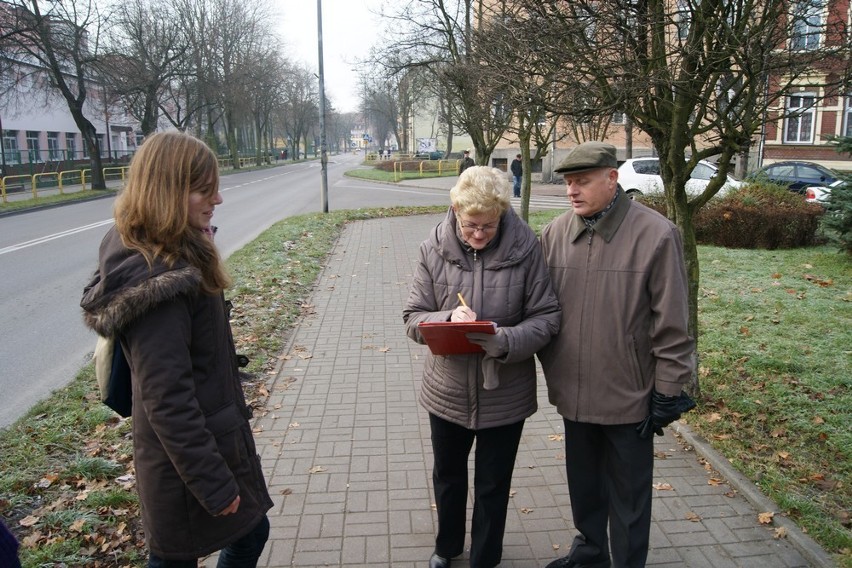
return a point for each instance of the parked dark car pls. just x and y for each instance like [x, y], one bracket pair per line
[796, 175]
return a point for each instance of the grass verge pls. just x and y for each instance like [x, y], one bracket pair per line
[775, 348]
[775, 374]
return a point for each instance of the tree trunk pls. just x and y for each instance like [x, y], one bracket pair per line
[683, 218]
[90, 139]
[524, 138]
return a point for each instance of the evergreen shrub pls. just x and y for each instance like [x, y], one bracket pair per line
[757, 215]
[837, 222]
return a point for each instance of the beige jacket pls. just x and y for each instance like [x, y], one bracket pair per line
[623, 292]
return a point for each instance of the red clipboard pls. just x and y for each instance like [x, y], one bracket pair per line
[448, 337]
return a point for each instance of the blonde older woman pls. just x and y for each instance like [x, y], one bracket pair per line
[485, 252]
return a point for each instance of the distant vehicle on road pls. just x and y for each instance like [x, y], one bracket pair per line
[641, 176]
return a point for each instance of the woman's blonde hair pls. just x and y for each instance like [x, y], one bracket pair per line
[481, 190]
[152, 211]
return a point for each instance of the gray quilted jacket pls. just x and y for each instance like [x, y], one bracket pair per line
[508, 283]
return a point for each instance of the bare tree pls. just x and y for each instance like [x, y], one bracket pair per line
[437, 36]
[148, 49]
[300, 109]
[696, 76]
[63, 43]
[267, 73]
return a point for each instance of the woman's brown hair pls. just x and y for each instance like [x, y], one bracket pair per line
[152, 211]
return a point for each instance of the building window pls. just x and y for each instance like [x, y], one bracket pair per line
[10, 147]
[683, 19]
[847, 116]
[800, 122]
[806, 16]
[33, 148]
[71, 145]
[53, 152]
[102, 145]
[618, 118]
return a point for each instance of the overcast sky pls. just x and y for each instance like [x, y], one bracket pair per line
[349, 30]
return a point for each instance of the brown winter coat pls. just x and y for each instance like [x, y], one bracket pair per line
[193, 446]
[623, 293]
[507, 283]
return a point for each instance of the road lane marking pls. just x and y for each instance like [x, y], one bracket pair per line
[55, 236]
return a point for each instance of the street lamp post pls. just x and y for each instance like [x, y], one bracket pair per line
[323, 146]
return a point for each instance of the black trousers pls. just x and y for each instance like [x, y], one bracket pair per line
[610, 472]
[494, 462]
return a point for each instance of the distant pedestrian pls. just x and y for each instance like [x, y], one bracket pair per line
[623, 353]
[484, 252]
[517, 175]
[466, 162]
[158, 290]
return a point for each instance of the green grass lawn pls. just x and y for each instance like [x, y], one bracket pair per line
[775, 349]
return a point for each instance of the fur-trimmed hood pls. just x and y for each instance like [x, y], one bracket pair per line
[125, 287]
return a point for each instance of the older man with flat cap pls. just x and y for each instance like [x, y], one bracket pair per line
[616, 369]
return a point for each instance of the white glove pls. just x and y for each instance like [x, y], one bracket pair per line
[496, 344]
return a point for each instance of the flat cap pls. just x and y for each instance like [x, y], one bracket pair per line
[588, 156]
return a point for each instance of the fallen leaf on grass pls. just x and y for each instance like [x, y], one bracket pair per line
[818, 281]
[28, 521]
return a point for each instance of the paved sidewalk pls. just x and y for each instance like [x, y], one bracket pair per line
[345, 445]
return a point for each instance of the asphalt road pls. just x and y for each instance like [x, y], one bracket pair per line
[48, 255]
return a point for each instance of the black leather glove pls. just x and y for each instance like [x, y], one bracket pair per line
[664, 411]
[496, 344]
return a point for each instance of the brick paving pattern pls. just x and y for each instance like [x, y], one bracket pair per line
[345, 445]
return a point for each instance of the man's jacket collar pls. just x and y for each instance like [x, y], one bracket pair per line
[608, 224]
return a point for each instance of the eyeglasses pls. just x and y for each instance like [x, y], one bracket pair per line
[473, 227]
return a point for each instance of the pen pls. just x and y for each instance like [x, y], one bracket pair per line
[461, 299]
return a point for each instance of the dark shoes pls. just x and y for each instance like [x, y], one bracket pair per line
[567, 562]
[439, 562]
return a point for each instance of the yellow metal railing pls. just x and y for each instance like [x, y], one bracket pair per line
[5, 179]
[122, 170]
[71, 174]
[62, 179]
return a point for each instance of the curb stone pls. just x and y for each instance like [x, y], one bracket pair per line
[812, 551]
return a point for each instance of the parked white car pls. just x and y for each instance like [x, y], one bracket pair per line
[820, 193]
[641, 176]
